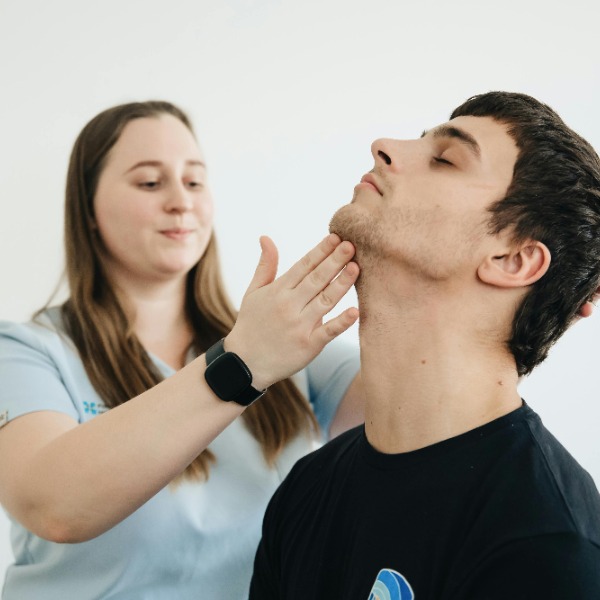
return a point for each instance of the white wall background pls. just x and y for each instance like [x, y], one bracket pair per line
[286, 97]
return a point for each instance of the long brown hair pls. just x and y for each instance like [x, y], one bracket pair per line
[115, 361]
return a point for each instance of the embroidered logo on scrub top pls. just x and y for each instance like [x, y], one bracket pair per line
[91, 408]
[390, 585]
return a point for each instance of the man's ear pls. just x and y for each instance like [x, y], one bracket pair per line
[518, 267]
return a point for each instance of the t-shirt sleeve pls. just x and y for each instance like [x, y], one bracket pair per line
[329, 376]
[553, 567]
[30, 374]
[265, 583]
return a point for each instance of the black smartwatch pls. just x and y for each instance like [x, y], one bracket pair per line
[229, 377]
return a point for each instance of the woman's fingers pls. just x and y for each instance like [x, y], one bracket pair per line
[307, 264]
[321, 277]
[280, 327]
[327, 298]
[330, 330]
[267, 265]
[588, 308]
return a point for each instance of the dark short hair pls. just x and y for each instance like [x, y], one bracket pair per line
[554, 198]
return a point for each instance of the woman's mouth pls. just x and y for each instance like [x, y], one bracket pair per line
[176, 233]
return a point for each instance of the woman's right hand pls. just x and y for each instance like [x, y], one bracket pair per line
[280, 326]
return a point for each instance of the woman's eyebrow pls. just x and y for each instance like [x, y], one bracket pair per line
[158, 163]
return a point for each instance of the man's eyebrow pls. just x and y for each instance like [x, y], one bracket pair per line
[158, 163]
[450, 131]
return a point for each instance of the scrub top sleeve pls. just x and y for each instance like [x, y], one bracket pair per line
[30, 376]
[329, 376]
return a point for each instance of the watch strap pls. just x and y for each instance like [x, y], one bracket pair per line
[215, 351]
[244, 397]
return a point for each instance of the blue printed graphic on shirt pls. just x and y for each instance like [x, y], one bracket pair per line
[390, 585]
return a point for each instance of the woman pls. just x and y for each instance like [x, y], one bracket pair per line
[124, 472]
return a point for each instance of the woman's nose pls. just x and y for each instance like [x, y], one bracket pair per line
[178, 199]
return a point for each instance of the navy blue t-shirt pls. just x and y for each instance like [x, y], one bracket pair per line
[500, 512]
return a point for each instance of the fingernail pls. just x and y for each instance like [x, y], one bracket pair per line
[347, 248]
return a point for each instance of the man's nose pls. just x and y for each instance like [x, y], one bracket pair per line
[391, 154]
[381, 151]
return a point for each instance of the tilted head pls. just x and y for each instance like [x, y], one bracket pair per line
[554, 198]
[85, 251]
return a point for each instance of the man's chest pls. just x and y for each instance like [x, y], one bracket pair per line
[358, 539]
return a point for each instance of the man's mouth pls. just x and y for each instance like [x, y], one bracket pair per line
[368, 180]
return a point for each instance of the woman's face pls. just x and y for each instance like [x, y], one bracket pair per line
[152, 207]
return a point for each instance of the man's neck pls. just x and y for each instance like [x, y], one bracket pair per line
[430, 370]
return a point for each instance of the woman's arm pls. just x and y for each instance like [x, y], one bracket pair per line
[69, 483]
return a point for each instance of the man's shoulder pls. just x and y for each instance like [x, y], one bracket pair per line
[561, 477]
[531, 486]
[560, 565]
[335, 451]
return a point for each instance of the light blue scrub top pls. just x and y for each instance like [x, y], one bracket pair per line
[191, 541]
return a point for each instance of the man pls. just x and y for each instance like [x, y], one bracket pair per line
[479, 244]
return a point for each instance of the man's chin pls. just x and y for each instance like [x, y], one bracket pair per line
[342, 223]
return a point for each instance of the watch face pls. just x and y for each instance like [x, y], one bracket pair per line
[228, 376]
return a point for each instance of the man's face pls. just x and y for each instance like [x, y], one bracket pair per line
[424, 204]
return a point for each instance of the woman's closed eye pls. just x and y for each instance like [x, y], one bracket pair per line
[196, 185]
[149, 185]
[441, 160]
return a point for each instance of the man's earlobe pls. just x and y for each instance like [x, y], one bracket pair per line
[518, 268]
